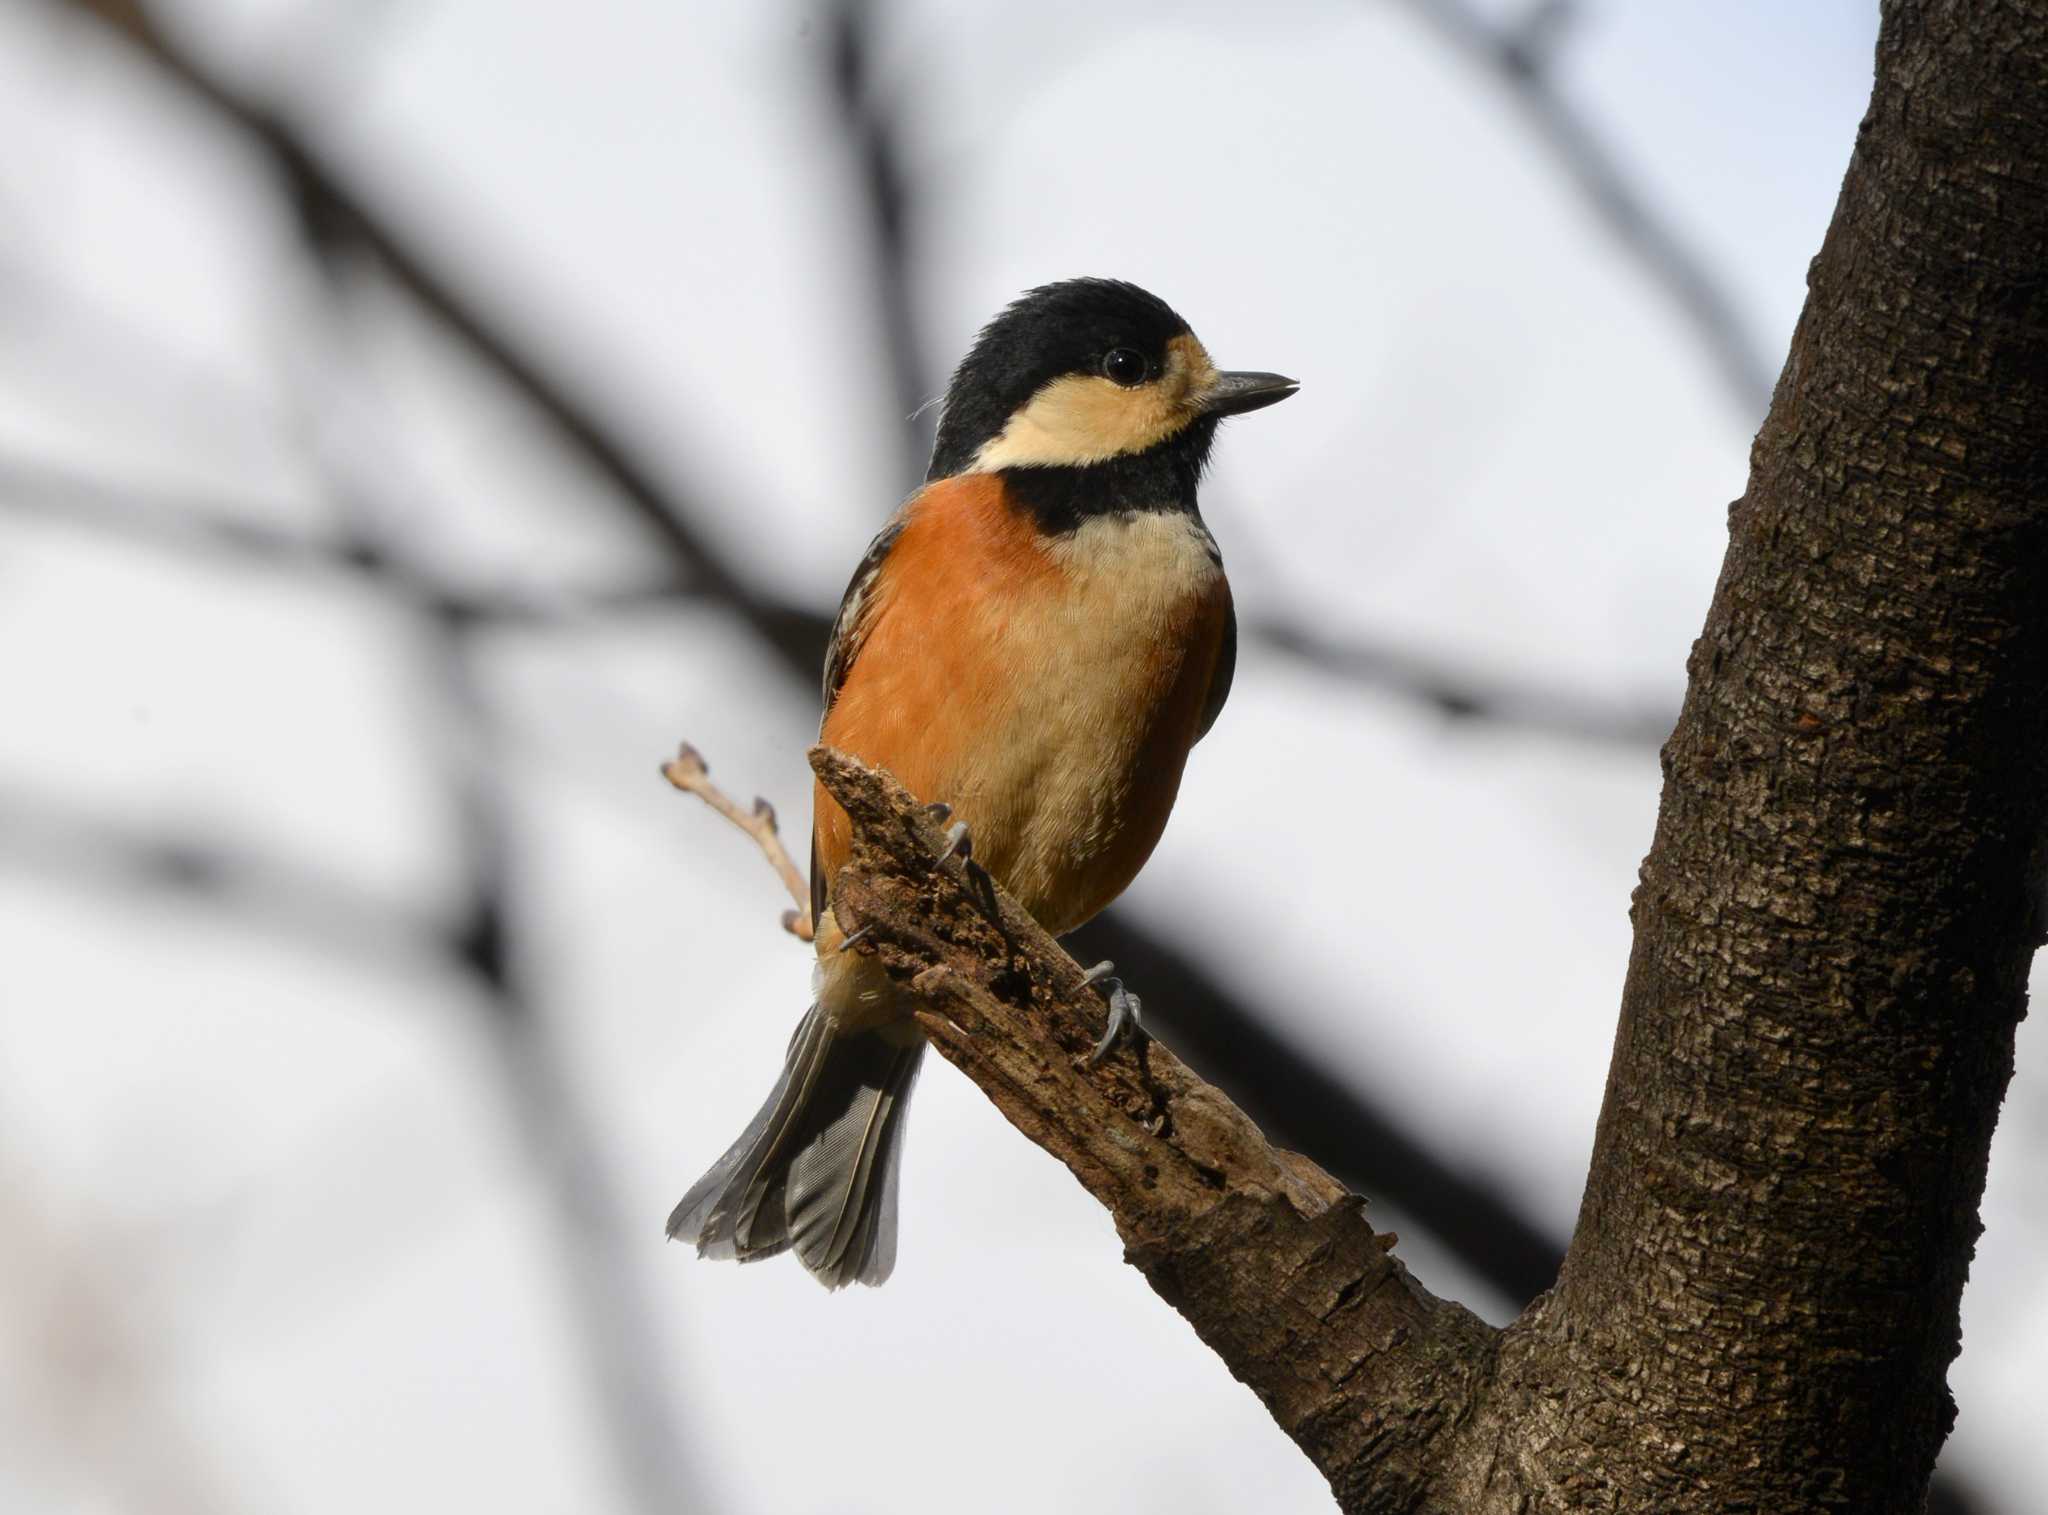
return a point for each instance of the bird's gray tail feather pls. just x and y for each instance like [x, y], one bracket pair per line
[816, 1169]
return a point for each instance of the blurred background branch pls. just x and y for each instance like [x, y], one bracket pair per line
[1520, 58]
[649, 1440]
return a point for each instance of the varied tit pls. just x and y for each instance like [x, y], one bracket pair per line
[1036, 640]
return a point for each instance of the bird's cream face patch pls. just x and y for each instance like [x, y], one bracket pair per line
[1086, 418]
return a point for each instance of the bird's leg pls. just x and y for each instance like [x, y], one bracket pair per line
[1124, 1008]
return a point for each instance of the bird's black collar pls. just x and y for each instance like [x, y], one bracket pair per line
[1162, 478]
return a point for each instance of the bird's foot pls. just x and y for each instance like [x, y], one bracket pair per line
[1124, 1008]
[960, 844]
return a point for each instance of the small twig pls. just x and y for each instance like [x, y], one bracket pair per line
[690, 773]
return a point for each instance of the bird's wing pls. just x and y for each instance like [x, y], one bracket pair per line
[1225, 669]
[849, 631]
[850, 627]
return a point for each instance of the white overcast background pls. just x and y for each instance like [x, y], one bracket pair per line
[270, 1236]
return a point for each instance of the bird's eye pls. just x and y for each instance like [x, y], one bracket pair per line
[1124, 365]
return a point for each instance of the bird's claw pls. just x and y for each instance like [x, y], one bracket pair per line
[958, 840]
[1124, 1010]
[960, 844]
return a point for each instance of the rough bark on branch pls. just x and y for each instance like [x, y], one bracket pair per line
[1265, 1255]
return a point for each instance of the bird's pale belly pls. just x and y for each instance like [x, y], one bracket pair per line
[1069, 790]
[1055, 718]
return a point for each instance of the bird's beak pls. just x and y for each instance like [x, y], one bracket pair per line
[1235, 393]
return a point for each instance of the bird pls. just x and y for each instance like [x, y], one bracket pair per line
[1034, 642]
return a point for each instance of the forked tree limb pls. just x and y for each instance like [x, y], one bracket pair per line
[1266, 1256]
[688, 772]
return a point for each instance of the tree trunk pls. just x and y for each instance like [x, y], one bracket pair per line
[1834, 925]
[1833, 932]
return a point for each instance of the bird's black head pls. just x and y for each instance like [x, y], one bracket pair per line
[1076, 374]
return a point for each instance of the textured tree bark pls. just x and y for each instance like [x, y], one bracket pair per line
[1833, 932]
[1835, 922]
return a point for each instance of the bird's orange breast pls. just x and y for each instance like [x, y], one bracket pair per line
[1047, 688]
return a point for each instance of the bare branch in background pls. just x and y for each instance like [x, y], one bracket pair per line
[61, 841]
[327, 203]
[210, 529]
[869, 132]
[617, 1322]
[1464, 694]
[688, 771]
[1518, 59]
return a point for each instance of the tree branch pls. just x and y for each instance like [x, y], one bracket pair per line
[688, 772]
[1263, 1253]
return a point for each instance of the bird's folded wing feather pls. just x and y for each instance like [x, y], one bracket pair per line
[850, 630]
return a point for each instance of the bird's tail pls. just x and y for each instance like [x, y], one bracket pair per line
[816, 1169]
